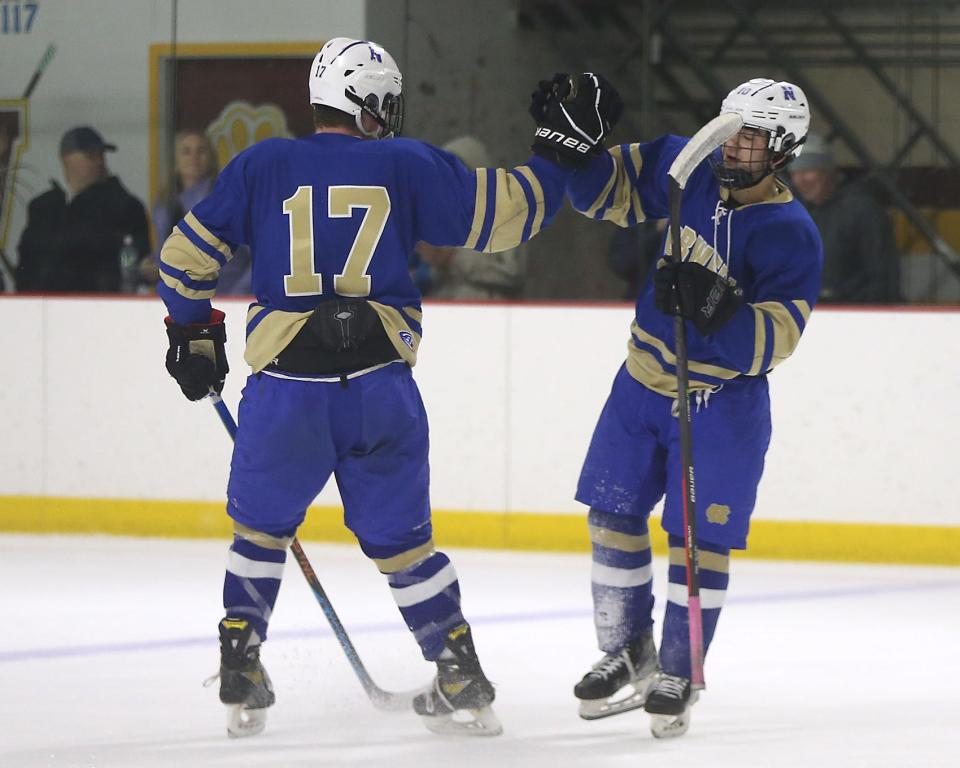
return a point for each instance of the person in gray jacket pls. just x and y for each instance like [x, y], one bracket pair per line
[459, 273]
[861, 264]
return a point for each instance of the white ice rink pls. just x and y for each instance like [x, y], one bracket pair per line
[105, 642]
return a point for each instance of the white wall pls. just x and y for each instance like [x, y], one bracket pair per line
[865, 413]
[100, 73]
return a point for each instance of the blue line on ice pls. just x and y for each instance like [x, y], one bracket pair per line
[140, 646]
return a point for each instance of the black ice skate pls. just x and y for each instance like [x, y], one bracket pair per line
[669, 703]
[459, 699]
[620, 681]
[245, 686]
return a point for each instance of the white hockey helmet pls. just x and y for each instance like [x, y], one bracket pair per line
[359, 77]
[777, 107]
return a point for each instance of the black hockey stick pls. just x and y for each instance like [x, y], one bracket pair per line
[381, 699]
[704, 141]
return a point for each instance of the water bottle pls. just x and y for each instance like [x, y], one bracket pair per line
[129, 265]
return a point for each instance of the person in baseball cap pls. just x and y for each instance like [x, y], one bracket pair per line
[83, 138]
[73, 237]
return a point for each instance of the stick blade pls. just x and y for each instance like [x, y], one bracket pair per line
[703, 142]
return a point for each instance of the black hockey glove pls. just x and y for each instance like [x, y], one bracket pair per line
[196, 357]
[573, 116]
[696, 294]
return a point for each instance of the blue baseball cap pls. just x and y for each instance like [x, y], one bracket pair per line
[83, 138]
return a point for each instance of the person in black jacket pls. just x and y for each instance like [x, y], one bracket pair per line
[73, 237]
[861, 264]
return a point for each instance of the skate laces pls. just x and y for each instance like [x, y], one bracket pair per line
[611, 665]
[672, 686]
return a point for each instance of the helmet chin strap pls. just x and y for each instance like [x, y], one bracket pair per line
[381, 131]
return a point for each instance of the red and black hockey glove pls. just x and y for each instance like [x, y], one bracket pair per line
[697, 294]
[196, 357]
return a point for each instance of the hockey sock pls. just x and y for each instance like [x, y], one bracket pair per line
[621, 579]
[714, 576]
[427, 593]
[254, 570]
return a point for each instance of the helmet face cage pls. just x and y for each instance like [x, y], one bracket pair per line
[777, 109]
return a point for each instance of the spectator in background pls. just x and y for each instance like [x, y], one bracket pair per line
[195, 172]
[861, 264]
[73, 237]
[460, 273]
[633, 250]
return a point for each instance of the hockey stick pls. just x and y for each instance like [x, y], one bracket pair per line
[704, 141]
[381, 699]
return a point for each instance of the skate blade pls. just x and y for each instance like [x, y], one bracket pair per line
[465, 722]
[242, 722]
[669, 726]
[631, 696]
[595, 709]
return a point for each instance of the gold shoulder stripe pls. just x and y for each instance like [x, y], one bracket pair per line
[479, 209]
[804, 308]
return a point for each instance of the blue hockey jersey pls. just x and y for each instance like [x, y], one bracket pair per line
[772, 250]
[335, 215]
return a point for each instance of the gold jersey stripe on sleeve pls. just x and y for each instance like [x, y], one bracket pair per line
[509, 215]
[414, 314]
[538, 197]
[180, 288]
[759, 342]
[711, 561]
[624, 542]
[207, 236]
[479, 210]
[786, 332]
[406, 559]
[182, 255]
[626, 198]
[271, 335]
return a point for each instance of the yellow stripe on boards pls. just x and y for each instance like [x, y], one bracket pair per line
[769, 539]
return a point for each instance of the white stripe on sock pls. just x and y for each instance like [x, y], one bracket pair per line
[709, 598]
[620, 577]
[417, 593]
[242, 566]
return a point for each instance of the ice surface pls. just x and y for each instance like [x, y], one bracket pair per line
[105, 642]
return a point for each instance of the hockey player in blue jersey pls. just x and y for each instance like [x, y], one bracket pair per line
[331, 338]
[754, 251]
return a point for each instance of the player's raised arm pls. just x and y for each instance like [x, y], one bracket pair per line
[496, 209]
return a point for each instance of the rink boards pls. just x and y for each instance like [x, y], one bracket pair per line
[97, 437]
